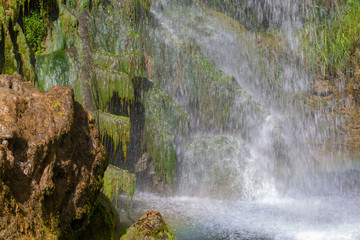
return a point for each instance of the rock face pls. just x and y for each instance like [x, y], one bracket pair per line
[150, 226]
[51, 162]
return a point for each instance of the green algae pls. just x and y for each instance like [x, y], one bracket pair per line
[28, 69]
[117, 128]
[164, 120]
[10, 65]
[35, 29]
[107, 82]
[53, 69]
[212, 98]
[151, 225]
[129, 63]
[130, 8]
[215, 94]
[57, 40]
[116, 179]
[136, 234]
[69, 25]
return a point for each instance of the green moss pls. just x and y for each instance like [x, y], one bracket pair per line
[10, 66]
[58, 39]
[2, 13]
[24, 50]
[68, 24]
[107, 82]
[129, 63]
[117, 128]
[53, 69]
[150, 226]
[215, 95]
[35, 29]
[130, 7]
[116, 179]
[59, 68]
[164, 120]
[13, 10]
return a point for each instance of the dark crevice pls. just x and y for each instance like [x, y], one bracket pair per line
[20, 185]
[51, 7]
[13, 36]
[137, 120]
[121, 107]
[136, 112]
[115, 154]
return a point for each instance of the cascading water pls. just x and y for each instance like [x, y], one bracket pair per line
[255, 165]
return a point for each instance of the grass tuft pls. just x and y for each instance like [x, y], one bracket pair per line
[331, 37]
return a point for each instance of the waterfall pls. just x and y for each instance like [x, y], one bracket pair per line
[273, 137]
[263, 159]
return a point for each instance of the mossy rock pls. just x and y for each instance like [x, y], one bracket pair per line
[150, 226]
[107, 82]
[129, 63]
[28, 69]
[69, 25]
[57, 68]
[104, 223]
[165, 120]
[117, 128]
[224, 159]
[132, 8]
[10, 65]
[116, 179]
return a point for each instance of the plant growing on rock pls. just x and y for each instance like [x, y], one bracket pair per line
[331, 37]
[35, 29]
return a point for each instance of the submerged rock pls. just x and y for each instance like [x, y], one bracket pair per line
[51, 162]
[150, 226]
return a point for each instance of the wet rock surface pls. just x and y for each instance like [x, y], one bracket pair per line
[51, 162]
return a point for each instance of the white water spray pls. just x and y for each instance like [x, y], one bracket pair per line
[266, 163]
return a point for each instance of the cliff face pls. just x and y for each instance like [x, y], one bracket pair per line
[51, 162]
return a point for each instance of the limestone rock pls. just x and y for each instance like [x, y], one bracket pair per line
[150, 226]
[51, 162]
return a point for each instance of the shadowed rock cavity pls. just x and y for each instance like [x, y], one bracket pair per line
[136, 112]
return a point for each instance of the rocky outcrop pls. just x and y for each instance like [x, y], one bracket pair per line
[150, 226]
[51, 162]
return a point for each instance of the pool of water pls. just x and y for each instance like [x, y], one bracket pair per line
[313, 218]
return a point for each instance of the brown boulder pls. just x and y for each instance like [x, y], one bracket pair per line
[51, 162]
